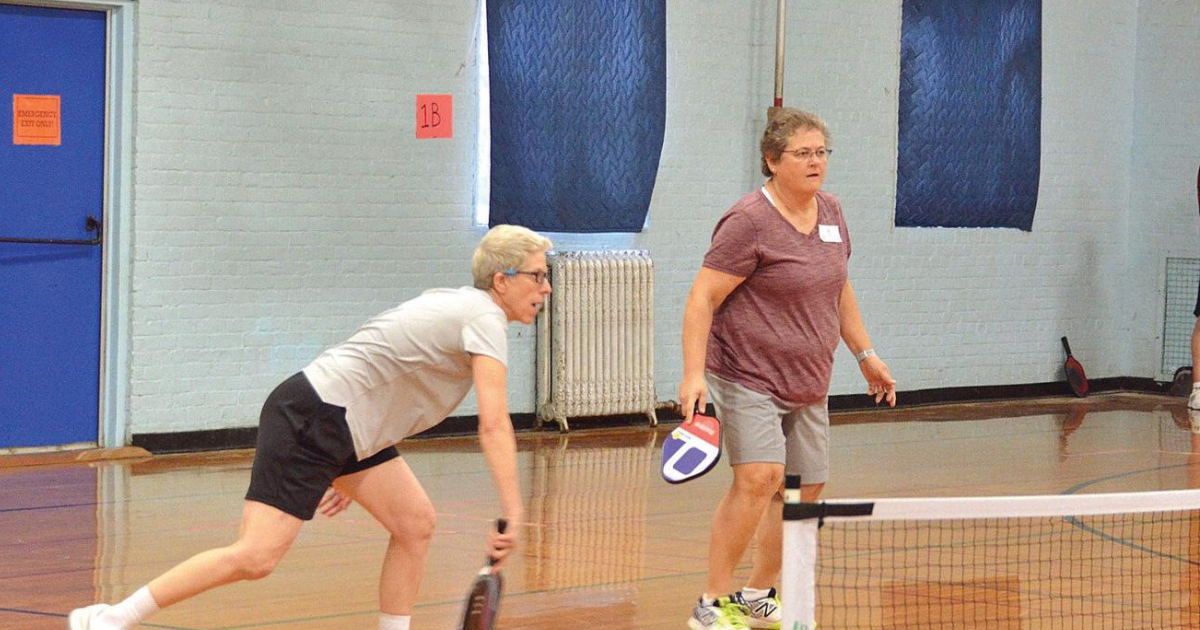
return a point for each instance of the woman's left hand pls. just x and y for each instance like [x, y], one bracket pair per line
[333, 502]
[880, 383]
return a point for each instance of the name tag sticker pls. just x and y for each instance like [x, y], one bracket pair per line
[829, 233]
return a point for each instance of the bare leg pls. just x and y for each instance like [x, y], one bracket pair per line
[1196, 352]
[265, 535]
[736, 518]
[768, 554]
[392, 494]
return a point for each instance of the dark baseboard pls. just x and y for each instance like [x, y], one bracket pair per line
[197, 441]
[949, 395]
[469, 425]
[243, 437]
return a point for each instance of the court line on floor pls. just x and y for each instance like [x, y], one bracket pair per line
[1114, 539]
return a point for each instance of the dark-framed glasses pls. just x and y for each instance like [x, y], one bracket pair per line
[538, 276]
[806, 154]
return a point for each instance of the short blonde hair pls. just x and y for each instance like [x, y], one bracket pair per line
[504, 247]
[784, 124]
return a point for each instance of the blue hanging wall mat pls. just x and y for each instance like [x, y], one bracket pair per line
[578, 108]
[969, 149]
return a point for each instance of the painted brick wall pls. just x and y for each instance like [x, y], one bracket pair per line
[281, 198]
[1165, 154]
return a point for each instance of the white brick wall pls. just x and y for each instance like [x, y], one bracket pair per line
[1165, 154]
[281, 198]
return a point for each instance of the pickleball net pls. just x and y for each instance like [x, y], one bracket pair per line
[1123, 561]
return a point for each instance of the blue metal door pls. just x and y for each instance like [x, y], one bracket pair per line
[51, 212]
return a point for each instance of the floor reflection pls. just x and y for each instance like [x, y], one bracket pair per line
[608, 542]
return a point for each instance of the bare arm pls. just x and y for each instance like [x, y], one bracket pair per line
[499, 446]
[709, 291]
[854, 333]
[879, 378]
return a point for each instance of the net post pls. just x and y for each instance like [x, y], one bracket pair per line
[799, 576]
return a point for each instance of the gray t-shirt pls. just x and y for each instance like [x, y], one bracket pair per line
[404, 370]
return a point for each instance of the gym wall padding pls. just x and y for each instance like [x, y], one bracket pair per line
[578, 109]
[969, 114]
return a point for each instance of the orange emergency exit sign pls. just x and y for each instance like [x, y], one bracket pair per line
[37, 119]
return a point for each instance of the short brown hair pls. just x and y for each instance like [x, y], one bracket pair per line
[783, 124]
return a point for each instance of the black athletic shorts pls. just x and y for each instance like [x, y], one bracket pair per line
[303, 445]
[1196, 311]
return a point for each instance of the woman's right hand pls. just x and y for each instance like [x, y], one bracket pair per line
[693, 393]
[499, 545]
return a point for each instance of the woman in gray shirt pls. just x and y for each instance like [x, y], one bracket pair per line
[327, 434]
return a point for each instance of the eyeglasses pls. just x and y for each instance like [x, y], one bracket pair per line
[805, 155]
[538, 276]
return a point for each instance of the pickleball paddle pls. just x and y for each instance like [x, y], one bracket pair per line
[1075, 376]
[483, 601]
[692, 449]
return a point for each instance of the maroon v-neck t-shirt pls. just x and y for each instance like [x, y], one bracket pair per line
[777, 331]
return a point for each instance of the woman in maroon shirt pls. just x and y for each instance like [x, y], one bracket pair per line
[762, 321]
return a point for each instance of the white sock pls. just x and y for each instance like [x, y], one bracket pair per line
[129, 613]
[708, 601]
[751, 594]
[394, 622]
[1195, 386]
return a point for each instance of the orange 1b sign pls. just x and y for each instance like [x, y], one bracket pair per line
[37, 119]
[435, 116]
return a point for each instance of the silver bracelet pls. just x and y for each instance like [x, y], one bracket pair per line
[862, 356]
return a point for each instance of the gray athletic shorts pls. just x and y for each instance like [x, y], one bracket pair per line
[757, 428]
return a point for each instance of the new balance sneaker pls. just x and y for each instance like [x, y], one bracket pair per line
[723, 614]
[763, 612]
[82, 618]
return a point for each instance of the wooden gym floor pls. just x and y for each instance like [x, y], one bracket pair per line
[608, 543]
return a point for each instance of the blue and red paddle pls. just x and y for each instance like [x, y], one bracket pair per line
[692, 449]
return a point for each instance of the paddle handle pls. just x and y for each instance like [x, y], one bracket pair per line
[696, 408]
[501, 525]
[1066, 346]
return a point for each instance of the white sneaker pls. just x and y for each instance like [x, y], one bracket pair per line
[764, 612]
[722, 614]
[1194, 399]
[82, 618]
